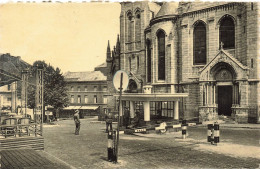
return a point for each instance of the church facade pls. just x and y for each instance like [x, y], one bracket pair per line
[208, 50]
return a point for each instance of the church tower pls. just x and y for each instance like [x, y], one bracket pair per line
[134, 19]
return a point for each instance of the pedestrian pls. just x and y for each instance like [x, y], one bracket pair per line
[77, 122]
[109, 120]
[126, 117]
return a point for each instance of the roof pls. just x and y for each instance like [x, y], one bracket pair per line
[85, 76]
[11, 68]
[102, 65]
[168, 8]
[153, 96]
[154, 7]
[196, 6]
[81, 107]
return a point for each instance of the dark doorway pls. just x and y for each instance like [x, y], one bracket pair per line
[224, 100]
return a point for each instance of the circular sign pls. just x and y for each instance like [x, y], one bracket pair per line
[116, 80]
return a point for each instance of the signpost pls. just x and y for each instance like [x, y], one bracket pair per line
[120, 81]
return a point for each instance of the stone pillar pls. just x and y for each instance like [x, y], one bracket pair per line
[214, 94]
[146, 111]
[0, 104]
[173, 89]
[132, 111]
[242, 115]
[207, 94]
[176, 110]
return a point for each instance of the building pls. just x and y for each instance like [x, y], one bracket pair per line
[208, 50]
[87, 92]
[11, 94]
[6, 98]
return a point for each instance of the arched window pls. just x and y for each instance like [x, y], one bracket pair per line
[130, 65]
[137, 26]
[137, 62]
[161, 55]
[227, 33]
[129, 26]
[149, 61]
[199, 44]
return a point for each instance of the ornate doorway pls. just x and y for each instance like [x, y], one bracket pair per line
[224, 100]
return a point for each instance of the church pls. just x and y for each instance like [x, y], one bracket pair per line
[200, 60]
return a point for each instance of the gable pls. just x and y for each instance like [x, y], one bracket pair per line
[223, 58]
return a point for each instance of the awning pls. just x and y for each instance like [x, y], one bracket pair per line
[81, 107]
[89, 107]
[72, 108]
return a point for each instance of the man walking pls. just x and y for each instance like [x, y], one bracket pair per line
[77, 122]
[109, 120]
[126, 117]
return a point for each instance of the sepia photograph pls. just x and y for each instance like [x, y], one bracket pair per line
[129, 84]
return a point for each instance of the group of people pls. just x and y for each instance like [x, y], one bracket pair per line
[128, 122]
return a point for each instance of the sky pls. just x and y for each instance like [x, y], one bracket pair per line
[71, 36]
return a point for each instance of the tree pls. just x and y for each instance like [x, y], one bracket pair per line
[55, 91]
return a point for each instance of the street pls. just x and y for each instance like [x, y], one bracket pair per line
[89, 149]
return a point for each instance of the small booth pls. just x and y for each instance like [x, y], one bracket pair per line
[152, 106]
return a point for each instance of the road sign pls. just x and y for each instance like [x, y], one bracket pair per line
[116, 80]
[48, 113]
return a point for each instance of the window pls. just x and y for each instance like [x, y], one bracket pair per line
[227, 33]
[72, 98]
[78, 88]
[105, 99]
[105, 88]
[199, 44]
[95, 98]
[86, 88]
[149, 61]
[167, 109]
[137, 62]
[86, 99]
[137, 26]
[161, 55]
[252, 63]
[138, 106]
[129, 26]
[162, 109]
[9, 99]
[130, 63]
[72, 88]
[95, 88]
[79, 99]
[9, 87]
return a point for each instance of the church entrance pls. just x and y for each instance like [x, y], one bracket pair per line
[224, 100]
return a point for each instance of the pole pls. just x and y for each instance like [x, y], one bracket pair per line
[118, 119]
[42, 101]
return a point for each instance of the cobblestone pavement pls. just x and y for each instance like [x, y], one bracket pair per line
[89, 149]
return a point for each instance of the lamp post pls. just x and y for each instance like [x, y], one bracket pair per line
[39, 96]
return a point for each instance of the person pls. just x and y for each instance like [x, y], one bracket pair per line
[77, 122]
[135, 121]
[126, 117]
[109, 120]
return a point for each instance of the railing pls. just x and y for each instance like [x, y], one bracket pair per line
[21, 130]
